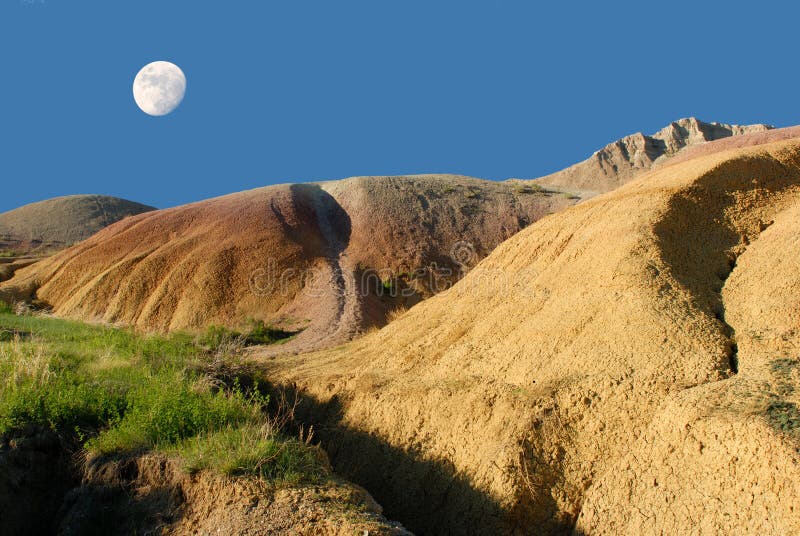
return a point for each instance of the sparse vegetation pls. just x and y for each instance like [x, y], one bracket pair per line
[470, 210]
[782, 413]
[472, 193]
[117, 393]
[388, 286]
[784, 416]
[251, 449]
[528, 188]
[258, 333]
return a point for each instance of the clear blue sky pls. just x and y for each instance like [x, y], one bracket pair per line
[303, 90]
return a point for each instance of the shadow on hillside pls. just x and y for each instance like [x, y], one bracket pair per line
[698, 239]
[426, 496]
[311, 204]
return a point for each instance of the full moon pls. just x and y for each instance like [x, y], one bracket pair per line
[159, 88]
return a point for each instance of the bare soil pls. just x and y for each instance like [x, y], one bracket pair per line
[328, 259]
[46, 488]
[626, 366]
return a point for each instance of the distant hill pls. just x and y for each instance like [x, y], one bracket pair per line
[56, 223]
[333, 258]
[621, 161]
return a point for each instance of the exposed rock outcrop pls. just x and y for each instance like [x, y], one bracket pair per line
[621, 161]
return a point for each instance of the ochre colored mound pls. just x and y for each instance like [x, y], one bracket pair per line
[328, 258]
[628, 365]
[62, 221]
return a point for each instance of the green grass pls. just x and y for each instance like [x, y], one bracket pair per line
[122, 393]
[250, 449]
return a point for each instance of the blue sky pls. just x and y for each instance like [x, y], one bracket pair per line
[306, 90]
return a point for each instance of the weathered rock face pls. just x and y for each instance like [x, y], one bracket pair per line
[622, 160]
[626, 366]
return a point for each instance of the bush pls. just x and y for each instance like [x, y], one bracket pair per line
[217, 337]
[531, 188]
[261, 333]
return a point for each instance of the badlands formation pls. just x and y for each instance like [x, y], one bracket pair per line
[626, 365]
[331, 259]
[32, 231]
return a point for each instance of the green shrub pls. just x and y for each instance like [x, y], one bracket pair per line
[784, 416]
[531, 188]
[216, 337]
[260, 333]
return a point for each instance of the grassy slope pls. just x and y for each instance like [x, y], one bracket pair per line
[121, 393]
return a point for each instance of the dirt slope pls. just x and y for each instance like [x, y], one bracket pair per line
[46, 489]
[625, 366]
[62, 221]
[621, 161]
[154, 495]
[331, 258]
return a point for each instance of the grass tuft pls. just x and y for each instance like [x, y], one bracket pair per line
[251, 449]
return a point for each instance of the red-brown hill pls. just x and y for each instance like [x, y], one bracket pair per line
[330, 258]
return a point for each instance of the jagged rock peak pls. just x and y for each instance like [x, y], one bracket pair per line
[622, 160]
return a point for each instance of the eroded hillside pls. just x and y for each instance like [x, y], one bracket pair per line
[328, 259]
[621, 161]
[624, 366]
